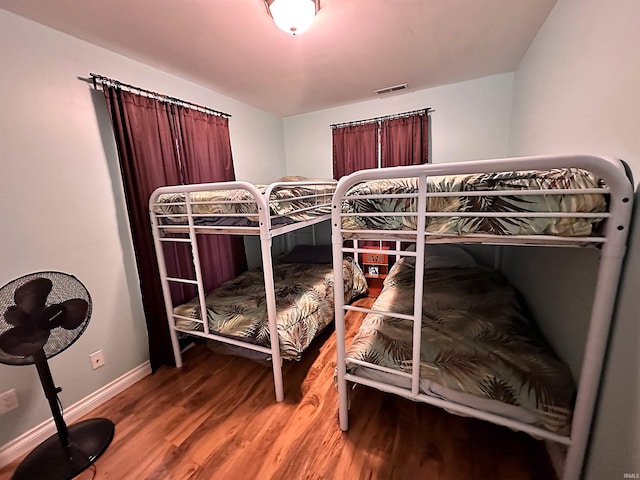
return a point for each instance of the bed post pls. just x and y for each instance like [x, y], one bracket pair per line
[590, 374]
[166, 291]
[338, 276]
[270, 295]
[419, 273]
[607, 282]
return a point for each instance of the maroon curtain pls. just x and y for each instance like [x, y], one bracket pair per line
[405, 141]
[204, 137]
[152, 155]
[205, 144]
[354, 148]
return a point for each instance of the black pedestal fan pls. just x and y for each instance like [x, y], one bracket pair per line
[43, 314]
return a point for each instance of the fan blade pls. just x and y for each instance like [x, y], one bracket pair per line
[32, 296]
[16, 316]
[74, 312]
[51, 317]
[23, 341]
[69, 314]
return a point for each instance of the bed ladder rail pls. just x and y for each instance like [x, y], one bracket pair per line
[166, 280]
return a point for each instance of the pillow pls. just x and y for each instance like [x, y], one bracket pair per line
[292, 178]
[443, 256]
[299, 178]
[309, 254]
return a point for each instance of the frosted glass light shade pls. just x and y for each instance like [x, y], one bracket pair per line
[293, 16]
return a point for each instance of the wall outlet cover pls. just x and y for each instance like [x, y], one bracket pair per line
[97, 359]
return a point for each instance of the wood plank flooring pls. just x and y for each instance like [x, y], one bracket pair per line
[217, 418]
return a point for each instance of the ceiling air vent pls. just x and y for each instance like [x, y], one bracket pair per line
[395, 88]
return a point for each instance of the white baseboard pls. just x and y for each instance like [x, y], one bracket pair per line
[32, 438]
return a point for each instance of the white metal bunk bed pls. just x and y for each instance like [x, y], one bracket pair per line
[363, 214]
[181, 213]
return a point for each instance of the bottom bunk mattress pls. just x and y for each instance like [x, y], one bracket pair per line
[304, 303]
[477, 347]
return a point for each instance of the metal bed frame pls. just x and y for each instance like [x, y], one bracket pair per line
[188, 234]
[612, 243]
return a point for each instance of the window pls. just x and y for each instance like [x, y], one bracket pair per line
[402, 139]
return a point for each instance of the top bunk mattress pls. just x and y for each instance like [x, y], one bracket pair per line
[293, 199]
[505, 214]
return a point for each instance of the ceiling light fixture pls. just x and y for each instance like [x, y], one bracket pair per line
[293, 16]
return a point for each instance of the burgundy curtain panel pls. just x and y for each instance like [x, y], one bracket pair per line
[205, 144]
[405, 141]
[154, 141]
[354, 148]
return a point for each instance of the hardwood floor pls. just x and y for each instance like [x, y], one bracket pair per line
[217, 418]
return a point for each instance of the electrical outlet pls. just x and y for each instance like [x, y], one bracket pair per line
[8, 401]
[97, 359]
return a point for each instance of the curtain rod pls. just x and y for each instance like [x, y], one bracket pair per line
[102, 80]
[422, 111]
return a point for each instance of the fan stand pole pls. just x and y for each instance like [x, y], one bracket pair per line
[51, 392]
[73, 449]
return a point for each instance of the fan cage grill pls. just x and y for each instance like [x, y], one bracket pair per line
[65, 287]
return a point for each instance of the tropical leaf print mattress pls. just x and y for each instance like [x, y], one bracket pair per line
[564, 178]
[477, 347]
[304, 300]
[288, 204]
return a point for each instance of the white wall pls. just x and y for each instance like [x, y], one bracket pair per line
[577, 90]
[471, 121]
[61, 199]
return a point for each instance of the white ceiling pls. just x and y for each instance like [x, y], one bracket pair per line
[353, 47]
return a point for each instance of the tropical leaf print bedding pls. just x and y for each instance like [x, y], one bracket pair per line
[475, 340]
[522, 180]
[304, 301]
[285, 203]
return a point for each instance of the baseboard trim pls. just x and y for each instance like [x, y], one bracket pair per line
[32, 438]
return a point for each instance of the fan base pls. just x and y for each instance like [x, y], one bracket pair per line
[88, 440]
